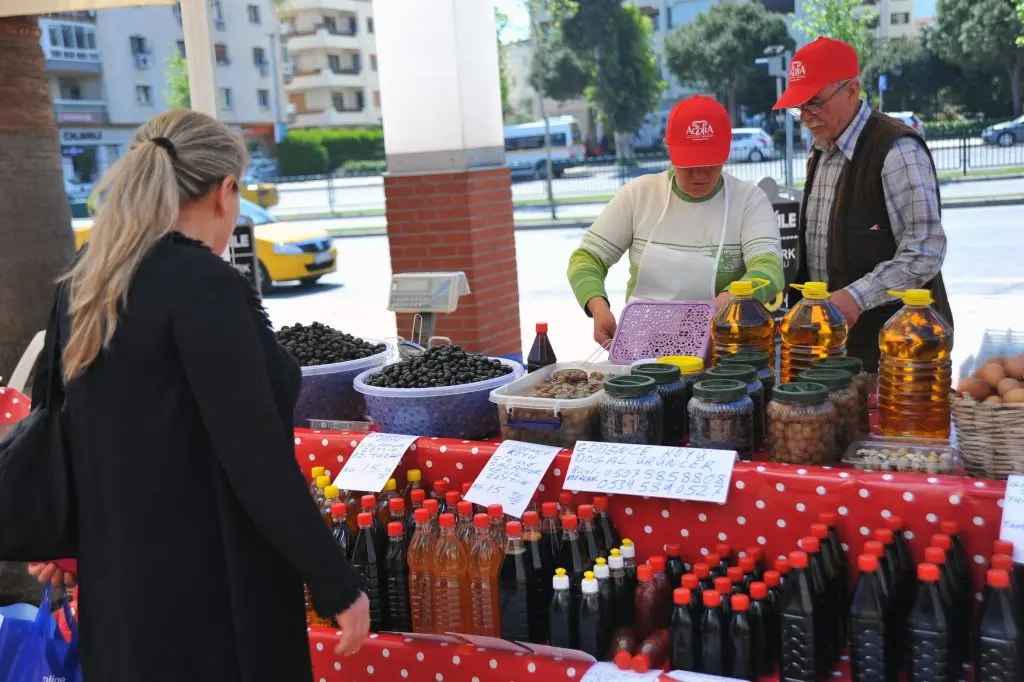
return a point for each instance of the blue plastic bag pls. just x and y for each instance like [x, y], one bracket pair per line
[35, 651]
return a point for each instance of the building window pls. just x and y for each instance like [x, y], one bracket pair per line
[69, 41]
[259, 56]
[897, 18]
[181, 49]
[144, 95]
[225, 98]
[254, 14]
[263, 97]
[369, 24]
[376, 98]
[218, 15]
[373, 62]
[357, 63]
[360, 101]
[338, 101]
[139, 45]
[69, 89]
[334, 63]
[330, 25]
[220, 50]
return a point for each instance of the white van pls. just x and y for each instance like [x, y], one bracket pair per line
[524, 147]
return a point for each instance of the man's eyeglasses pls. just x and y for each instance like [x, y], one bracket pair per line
[814, 107]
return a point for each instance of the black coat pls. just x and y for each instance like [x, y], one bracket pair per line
[196, 528]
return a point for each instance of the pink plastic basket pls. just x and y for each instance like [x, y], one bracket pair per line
[654, 329]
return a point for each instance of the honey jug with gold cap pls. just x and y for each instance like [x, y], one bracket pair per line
[743, 324]
[813, 329]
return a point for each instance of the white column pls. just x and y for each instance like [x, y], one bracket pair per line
[439, 84]
[202, 75]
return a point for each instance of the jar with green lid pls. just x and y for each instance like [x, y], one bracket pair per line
[755, 390]
[691, 369]
[801, 424]
[862, 381]
[632, 412]
[673, 393]
[758, 361]
[722, 416]
[843, 395]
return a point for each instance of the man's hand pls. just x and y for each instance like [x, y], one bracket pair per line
[604, 321]
[354, 623]
[721, 300]
[52, 574]
[843, 300]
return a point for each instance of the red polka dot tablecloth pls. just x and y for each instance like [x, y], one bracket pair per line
[14, 406]
[770, 505]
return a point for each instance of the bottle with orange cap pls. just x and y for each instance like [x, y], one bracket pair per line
[451, 580]
[826, 598]
[368, 561]
[804, 657]
[496, 515]
[514, 579]
[835, 582]
[947, 590]
[377, 529]
[484, 561]
[714, 635]
[340, 530]
[873, 647]
[743, 665]
[999, 657]
[961, 563]
[813, 329]
[389, 493]
[684, 630]
[421, 573]
[397, 578]
[542, 565]
[929, 632]
[551, 526]
[963, 596]
[661, 582]
[646, 604]
[607, 533]
[464, 523]
[674, 566]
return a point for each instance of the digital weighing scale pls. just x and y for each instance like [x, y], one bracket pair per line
[425, 295]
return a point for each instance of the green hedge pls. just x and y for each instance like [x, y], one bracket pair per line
[363, 167]
[300, 156]
[956, 128]
[344, 145]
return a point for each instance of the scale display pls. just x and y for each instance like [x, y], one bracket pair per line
[427, 292]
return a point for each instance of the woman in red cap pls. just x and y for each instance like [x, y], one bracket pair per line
[689, 231]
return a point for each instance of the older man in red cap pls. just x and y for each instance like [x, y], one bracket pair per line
[871, 219]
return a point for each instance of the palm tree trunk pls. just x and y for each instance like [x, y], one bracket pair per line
[36, 242]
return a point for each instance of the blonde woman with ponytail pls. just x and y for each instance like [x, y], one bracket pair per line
[196, 530]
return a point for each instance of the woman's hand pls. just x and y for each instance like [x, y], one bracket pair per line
[721, 300]
[354, 623]
[52, 574]
[604, 321]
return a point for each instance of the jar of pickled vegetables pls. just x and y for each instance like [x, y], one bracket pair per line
[843, 396]
[673, 393]
[722, 417]
[691, 370]
[632, 412]
[760, 362]
[801, 424]
[812, 329]
[862, 381]
[748, 375]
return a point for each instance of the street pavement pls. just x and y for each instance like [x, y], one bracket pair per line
[982, 272]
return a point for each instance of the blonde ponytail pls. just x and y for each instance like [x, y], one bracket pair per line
[174, 158]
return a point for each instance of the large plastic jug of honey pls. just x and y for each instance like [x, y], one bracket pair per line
[813, 329]
[915, 372]
[744, 324]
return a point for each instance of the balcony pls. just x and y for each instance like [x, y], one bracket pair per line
[62, 60]
[331, 117]
[322, 39]
[314, 79]
[80, 111]
[293, 7]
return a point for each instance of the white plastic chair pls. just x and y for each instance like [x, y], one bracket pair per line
[28, 360]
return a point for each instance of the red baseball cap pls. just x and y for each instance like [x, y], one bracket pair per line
[699, 133]
[814, 66]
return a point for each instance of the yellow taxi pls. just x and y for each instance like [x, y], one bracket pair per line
[258, 192]
[287, 251]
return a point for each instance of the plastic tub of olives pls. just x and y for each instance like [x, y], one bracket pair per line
[328, 392]
[905, 455]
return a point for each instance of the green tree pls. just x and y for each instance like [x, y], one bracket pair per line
[1020, 13]
[177, 94]
[984, 32]
[501, 23]
[716, 51]
[847, 20]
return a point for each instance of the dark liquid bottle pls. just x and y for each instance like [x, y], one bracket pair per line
[836, 545]
[572, 558]
[608, 534]
[748, 570]
[1016, 574]
[783, 568]
[1000, 657]
[561, 616]
[725, 560]
[646, 604]
[684, 631]
[1003, 562]
[369, 562]
[799, 616]
[674, 566]
[960, 560]
[623, 644]
[622, 596]
[603, 575]
[947, 590]
[591, 625]
[588, 534]
[396, 514]
[628, 551]
[653, 652]
[735, 576]
[437, 492]
[825, 583]
[900, 581]
[541, 353]
[340, 530]
[514, 586]
[690, 582]
[743, 651]
[703, 573]
[713, 632]
[761, 624]
[542, 565]
[872, 656]
[929, 640]
[379, 532]
[396, 562]
[550, 527]
[905, 558]
[877, 550]
[962, 595]
[757, 554]
[664, 589]
[774, 615]
[724, 587]
[837, 576]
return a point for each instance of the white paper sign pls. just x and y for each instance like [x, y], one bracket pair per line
[373, 462]
[511, 476]
[684, 676]
[1012, 527]
[651, 470]
[609, 672]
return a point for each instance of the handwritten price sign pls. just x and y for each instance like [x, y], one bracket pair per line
[511, 476]
[373, 462]
[673, 473]
[1012, 528]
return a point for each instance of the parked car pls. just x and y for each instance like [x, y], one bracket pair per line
[908, 118]
[287, 251]
[751, 144]
[1005, 134]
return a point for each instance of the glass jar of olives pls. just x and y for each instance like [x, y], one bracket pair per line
[691, 371]
[748, 375]
[758, 361]
[843, 396]
[632, 412]
[862, 381]
[722, 416]
[670, 387]
[801, 424]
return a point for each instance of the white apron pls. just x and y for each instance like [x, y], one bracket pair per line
[665, 274]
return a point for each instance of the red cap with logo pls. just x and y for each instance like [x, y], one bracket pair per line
[699, 133]
[814, 66]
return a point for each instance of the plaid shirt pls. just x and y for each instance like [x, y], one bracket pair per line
[912, 202]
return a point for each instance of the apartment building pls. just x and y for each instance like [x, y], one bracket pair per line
[108, 74]
[333, 78]
[895, 18]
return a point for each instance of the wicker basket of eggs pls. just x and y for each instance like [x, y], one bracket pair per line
[988, 411]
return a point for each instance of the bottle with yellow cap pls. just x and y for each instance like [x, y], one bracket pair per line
[743, 324]
[332, 496]
[915, 372]
[813, 329]
[316, 472]
[320, 483]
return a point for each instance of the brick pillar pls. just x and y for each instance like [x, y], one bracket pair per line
[460, 220]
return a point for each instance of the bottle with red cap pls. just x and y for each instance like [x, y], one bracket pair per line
[541, 353]
[589, 621]
[693, 584]
[623, 644]
[830, 519]
[834, 586]
[835, 560]
[413, 481]
[606, 530]
[897, 576]
[748, 572]
[377, 529]
[653, 652]
[735, 576]
[963, 599]
[929, 639]
[714, 633]
[389, 493]
[484, 562]
[431, 506]
[514, 579]
[724, 587]
[562, 628]
[451, 580]
[565, 506]
[674, 566]
[588, 534]
[421, 573]
[416, 496]
[396, 571]
[1016, 575]
[725, 560]
[774, 582]
[782, 567]
[451, 503]
[541, 567]
[903, 553]
[496, 514]
[685, 654]
[743, 659]
[658, 564]
[947, 590]
[464, 523]
[873, 654]
[703, 573]
[551, 526]
[1000, 657]
[804, 657]
[647, 604]
[961, 564]
[825, 593]
[622, 593]
[757, 553]
[572, 558]
[369, 562]
[877, 550]
[340, 530]
[762, 629]
[1003, 562]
